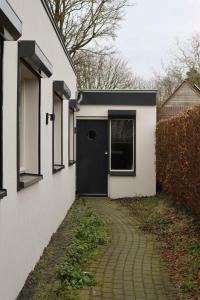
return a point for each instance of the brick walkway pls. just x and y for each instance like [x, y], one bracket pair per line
[130, 266]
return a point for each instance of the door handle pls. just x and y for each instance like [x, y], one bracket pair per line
[106, 153]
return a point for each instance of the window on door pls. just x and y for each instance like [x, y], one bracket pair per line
[57, 133]
[28, 126]
[122, 146]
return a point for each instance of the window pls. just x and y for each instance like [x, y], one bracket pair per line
[2, 191]
[32, 66]
[10, 30]
[28, 126]
[122, 144]
[60, 92]
[73, 107]
[91, 135]
[57, 133]
[71, 137]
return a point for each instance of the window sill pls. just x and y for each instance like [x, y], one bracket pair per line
[120, 173]
[57, 168]
[72, 162]
[29, 179]
[3, 193]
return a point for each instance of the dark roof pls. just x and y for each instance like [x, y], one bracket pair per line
[118, 97]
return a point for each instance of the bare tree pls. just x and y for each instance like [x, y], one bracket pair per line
[99, 71]
[84, 21]
[184, 64]
[194, 76]
[167, 83]
[188, 53]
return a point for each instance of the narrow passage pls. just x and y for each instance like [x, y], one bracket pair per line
[130, 267]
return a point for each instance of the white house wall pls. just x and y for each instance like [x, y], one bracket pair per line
[144, 183]
[29, 218]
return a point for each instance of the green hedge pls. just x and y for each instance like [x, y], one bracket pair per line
[178, 157]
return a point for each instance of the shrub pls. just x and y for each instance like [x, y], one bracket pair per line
[178, 157]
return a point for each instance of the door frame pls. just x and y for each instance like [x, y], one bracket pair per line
[93, 118]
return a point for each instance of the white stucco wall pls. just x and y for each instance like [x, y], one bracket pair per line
[29, 218]
[144, 183]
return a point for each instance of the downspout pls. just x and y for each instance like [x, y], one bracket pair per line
[80, 97]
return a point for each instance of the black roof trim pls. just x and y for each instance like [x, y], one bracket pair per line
[61, 89]
[57, 30]
[10, 24]
[119, 97]
[121, 114]
[33, 55]
[117, 91]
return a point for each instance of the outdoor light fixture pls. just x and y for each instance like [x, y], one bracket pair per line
[50, 117]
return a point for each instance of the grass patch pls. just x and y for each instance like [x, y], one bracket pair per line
[62, 268]
[179, 236]
[188, 286]
[89, 234]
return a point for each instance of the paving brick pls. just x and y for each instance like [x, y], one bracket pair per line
[129, 267]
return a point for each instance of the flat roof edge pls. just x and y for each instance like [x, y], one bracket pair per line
[117, 91]
[119, 97]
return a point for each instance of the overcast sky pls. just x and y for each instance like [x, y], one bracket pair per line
[150, 29]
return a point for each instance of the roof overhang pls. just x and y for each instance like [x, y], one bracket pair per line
[33, 55]
[121, 114]
[73, 105]
[119, 97]
[61, 89]
[10, 24]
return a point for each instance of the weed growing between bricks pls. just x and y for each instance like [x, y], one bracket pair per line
[61, 269]
[89, 234]
[179, 236]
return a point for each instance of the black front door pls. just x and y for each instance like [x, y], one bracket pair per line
[92, 157]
